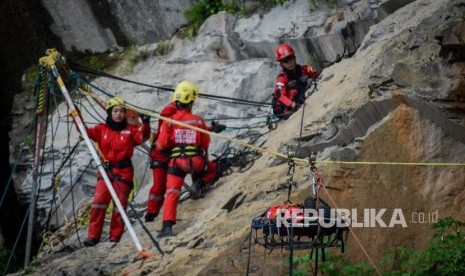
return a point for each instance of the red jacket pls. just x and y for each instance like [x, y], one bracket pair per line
[117, 146]
[172, 135]
[168, 111]
[289, 84]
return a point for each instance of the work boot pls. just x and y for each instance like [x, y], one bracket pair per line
[150, 217]
[115, 240]
[166, 230]
[198, 190]
[90, 242]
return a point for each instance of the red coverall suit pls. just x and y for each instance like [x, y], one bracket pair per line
[117, 148]
[290, 87]
[175, 138]
[159, 165]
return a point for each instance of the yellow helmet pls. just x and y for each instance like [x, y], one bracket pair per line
[115, 101]
[185, 92]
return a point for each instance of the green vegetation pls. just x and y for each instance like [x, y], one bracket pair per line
[4, 255]
[333, 266]
[200, 11]
[203, 9]
[444, 255]
[34, 263]
[313, 3]
[121, 62]
[163, 48]
[30, 78]
[274, 2]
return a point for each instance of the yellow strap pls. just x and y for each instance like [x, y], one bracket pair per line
[185, 151]
[178, 154]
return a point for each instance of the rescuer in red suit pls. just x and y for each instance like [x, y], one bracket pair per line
[291, 83]
[159, 158]
[116, 140]
[188, 152]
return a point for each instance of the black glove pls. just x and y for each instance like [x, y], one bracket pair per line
[217, 128]
[292, 84]
[304, 79]
[145, 118]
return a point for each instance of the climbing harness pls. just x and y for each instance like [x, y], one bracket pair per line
[186, 151]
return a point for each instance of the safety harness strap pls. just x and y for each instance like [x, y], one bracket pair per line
[118, 178]
[176, 171]
[158, 164]
[120, 165]
[186, 151]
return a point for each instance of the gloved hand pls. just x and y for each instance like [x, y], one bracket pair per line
[304, 79]
[217, 128]
[145, 118]
[292, 84]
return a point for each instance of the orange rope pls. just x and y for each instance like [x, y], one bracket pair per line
[321, 183]
[146, 254]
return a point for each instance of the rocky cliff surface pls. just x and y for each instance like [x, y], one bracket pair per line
[399, 97]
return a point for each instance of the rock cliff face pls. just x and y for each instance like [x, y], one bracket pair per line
[398, 97]
[98, 26]
[28, 28]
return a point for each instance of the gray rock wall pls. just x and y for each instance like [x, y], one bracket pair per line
[399, 98]
[98, 26]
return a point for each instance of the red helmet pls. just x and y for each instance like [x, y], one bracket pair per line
[283, 51]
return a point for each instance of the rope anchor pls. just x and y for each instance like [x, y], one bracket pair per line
[290, 174]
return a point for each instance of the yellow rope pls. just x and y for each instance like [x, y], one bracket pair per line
[392, 163]
[298, 160]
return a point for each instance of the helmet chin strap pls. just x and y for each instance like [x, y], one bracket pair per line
[188, 106]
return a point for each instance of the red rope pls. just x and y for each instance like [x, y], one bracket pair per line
[319, 178]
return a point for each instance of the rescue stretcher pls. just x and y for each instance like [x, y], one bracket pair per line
[295, 226]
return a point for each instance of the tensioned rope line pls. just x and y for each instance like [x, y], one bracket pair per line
[15, 245]
[79, 68]
[56, 178]
[390, 163]
[299, 160]
[277, 154]
[87, 88]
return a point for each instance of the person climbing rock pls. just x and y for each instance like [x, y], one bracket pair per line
[188, 151]
[159, 165]
[116, 140]
[291, 83]
[159, 158]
